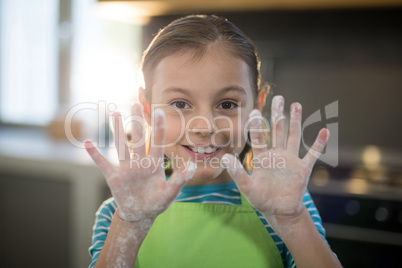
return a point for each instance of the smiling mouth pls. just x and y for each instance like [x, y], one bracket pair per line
[202, 150]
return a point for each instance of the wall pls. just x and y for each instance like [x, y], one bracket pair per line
[318, 57]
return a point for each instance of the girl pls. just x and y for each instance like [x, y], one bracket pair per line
[206, 210]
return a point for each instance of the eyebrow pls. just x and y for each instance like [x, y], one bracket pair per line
[174, 90]
[221, 92]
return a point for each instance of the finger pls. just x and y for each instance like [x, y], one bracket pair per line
[157, 149]
[120, 139]
[277, 122]
[294, 128]
[105, 167]
[257, 135]
[138, 130]
[178, 179]
[315, 151]
[236, 171]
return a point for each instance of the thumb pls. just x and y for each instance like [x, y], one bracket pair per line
[179, 178]
[236, 170]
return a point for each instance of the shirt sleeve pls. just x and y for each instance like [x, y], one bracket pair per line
[287, 258]
[315, 215]
[103, 219]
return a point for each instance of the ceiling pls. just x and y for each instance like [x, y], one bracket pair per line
[134, 10]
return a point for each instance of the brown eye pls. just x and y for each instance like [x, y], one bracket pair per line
[228, 105]
[179, 104]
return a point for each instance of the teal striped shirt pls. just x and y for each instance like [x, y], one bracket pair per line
[226, 193]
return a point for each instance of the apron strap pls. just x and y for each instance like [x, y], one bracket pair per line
[244, 201]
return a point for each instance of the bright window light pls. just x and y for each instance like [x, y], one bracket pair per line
[28, 62]
[106, 57]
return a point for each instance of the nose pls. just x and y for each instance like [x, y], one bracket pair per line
[202, 123]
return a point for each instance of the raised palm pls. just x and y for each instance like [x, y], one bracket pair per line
[279, 178]
[139, 184]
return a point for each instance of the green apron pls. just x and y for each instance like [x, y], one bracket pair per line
[192, 235]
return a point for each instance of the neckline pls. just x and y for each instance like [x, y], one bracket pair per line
[209, 188]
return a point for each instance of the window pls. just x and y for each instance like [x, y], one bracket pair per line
[28, 62]
[104, 59]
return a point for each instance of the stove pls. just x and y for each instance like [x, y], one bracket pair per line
[361, 209]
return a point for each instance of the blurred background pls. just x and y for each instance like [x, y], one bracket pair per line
[65, 65]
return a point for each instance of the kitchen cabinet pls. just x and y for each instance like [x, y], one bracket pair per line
[49, 191]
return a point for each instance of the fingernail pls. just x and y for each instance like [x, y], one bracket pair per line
[255, 117]
[159, 118]
[295, 107]
[225, 161]
[88, 144]
[254, 113]
[328, 134]
[159, 113]
[278, 103]
[190, 170]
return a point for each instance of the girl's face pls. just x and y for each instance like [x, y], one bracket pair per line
[206, 103]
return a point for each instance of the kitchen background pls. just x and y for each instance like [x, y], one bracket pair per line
[78, 60]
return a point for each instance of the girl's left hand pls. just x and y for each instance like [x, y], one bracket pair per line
[279, 178]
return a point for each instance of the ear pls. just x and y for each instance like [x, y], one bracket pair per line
[261, 98]
[145, 103]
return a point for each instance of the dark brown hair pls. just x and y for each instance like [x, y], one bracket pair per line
[195, 34]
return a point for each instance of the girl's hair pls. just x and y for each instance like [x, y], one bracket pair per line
[195, 34]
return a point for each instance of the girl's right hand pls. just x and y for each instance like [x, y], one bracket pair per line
[141, 193]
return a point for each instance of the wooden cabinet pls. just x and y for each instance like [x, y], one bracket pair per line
[35, 221]
[49, 193]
